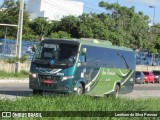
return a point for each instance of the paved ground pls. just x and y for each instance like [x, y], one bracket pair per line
[144, 91]
[14, 90]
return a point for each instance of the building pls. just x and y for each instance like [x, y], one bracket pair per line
[2, 9]
[53, 9]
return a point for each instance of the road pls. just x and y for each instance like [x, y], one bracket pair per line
[144, 91]
[15, 90]
[18, 90]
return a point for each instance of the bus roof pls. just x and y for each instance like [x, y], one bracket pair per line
[93, 42]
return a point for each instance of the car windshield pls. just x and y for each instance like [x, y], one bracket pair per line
[156, 72]
[146, 73]
[138, 73]
[57, 54]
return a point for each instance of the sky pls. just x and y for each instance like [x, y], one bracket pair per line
[140, 5]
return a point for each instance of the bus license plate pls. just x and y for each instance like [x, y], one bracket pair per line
[48, 81]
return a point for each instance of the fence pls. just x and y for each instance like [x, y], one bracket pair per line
[144, 58]
[8, 48]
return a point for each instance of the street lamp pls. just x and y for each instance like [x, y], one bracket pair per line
[117, 1]
[154, 12]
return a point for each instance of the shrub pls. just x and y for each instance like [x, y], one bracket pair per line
[16, 59]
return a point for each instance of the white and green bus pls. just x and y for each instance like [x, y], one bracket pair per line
[92, 67]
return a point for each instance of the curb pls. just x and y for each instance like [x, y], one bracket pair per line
[14, 81]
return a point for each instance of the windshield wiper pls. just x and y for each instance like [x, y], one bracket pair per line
[41, 61]
[65, 62]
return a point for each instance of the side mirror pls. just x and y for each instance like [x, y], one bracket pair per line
[84, 50]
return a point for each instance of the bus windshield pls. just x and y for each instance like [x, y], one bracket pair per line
[56, 55]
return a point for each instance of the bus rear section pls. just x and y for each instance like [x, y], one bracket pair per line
[107, 69]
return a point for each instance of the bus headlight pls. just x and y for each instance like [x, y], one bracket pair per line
[33, 75]
[67, 77]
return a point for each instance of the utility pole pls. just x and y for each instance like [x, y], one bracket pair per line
[19, 35]
[5, 34]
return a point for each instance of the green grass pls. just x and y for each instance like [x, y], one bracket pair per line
[22, 74]
[81, 103]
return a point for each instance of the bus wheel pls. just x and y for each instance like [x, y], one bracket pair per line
[116, 91]
[80, 89]
[37, 92]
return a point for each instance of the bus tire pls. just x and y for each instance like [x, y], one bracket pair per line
[79, 89]
[116, 91]
[37, 92]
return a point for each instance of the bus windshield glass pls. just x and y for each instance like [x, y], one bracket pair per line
[55, 55]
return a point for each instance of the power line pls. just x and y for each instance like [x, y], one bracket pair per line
[69, 3]
[149, 2]
[90, 8]
[68, 11]
[93, 9]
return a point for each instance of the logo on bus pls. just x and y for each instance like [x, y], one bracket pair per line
[52, 62]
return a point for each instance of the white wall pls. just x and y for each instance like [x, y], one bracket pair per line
[54, 9]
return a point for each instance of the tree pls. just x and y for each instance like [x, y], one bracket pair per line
[10, 15]
[129, 28]
[40, 27]
[120, 25]
[70, 25]
[60, 34]
[155, 30]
